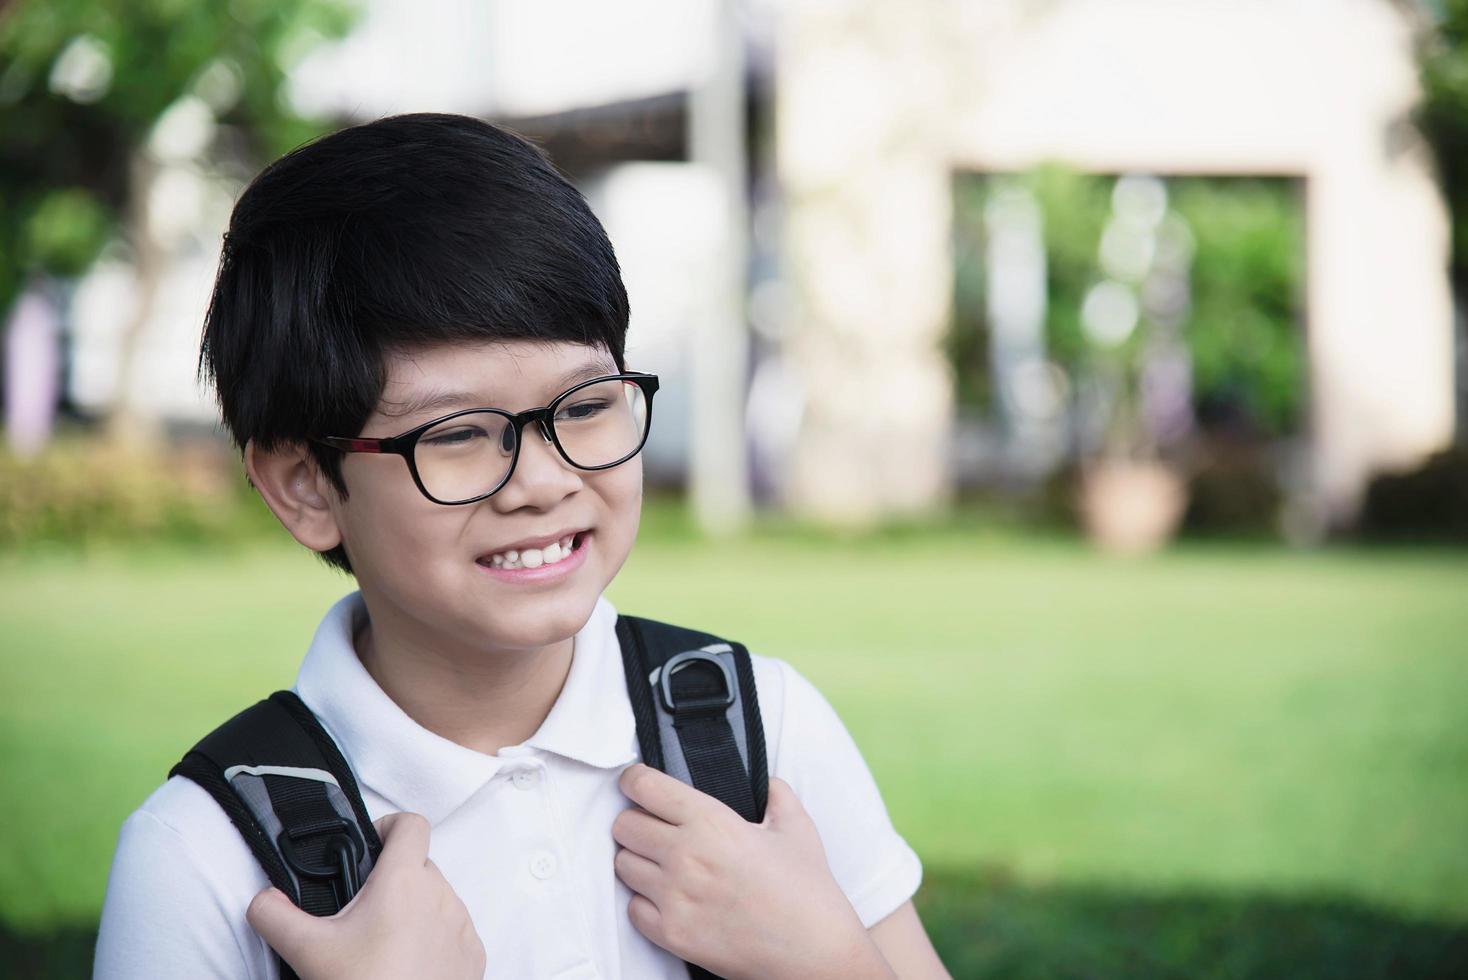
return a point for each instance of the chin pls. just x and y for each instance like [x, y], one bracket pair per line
[538, 627]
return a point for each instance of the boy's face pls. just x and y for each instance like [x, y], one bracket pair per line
[420, 564]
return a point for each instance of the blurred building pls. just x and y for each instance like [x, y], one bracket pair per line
[878, 107]
[794, 292]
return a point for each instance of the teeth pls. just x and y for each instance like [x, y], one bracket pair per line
[533, 557]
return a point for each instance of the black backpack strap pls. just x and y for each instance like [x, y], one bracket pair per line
[697, 713]
[286, 787]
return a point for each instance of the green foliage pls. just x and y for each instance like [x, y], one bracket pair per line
[66, 230]
[966, 343]
[1075, 206]
[80, 493]
[1442, 117]
[1243, 329]
[987, 925]
[82, 83]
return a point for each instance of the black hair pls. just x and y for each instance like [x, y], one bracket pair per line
[404, 232]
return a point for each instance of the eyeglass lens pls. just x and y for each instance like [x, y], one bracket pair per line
[469, 455]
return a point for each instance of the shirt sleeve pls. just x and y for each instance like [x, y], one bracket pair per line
[170, 914]
[817, 756]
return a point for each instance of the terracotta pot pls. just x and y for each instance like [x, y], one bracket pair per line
[1131, 508]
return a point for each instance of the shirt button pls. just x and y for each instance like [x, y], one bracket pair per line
[524, 778]
[543, 864]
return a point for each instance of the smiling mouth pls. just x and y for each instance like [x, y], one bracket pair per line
[551, 554]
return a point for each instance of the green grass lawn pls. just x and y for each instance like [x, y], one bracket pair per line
[1229, 760]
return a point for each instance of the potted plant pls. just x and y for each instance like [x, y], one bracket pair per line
[1135, 398]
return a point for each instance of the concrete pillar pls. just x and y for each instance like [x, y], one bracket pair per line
[867, 254]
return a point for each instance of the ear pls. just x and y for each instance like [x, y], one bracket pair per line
[296, 491]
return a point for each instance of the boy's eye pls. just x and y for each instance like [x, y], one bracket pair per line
[458, 436]
[582, 410]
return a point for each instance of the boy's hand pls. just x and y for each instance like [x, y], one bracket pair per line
[405, 922]
[738, 898]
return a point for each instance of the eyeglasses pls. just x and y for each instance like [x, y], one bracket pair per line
[469, 455]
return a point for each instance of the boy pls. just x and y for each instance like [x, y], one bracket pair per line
[407, 278]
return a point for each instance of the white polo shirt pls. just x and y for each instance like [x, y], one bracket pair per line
[524, 837]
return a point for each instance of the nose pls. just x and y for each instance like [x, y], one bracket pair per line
[541, 478]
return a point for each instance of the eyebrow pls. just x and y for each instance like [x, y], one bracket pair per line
[435, 400]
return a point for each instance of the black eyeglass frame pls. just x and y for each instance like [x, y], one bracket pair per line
[404, 444]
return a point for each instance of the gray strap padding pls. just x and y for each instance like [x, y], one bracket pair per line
[248, 782]
[674, 763]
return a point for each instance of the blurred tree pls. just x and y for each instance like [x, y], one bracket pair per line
[1442, 116]
[83, 87]
[1244, 329]
[966, 342]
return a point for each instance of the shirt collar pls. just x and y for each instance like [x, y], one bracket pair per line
[412, 768]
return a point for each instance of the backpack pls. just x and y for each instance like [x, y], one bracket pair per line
[288, 790]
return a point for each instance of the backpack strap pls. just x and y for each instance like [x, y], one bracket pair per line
[697, 711]
[286, 787]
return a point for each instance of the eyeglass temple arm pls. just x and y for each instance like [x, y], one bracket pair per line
[349, 445]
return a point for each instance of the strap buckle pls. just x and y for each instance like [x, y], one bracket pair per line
[341, 856]
[696, 705]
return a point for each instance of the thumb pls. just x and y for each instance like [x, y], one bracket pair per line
[289, 930]
[781, 802]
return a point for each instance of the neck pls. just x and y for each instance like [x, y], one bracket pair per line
[482, 700]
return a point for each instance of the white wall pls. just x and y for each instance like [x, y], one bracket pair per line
[881, 100]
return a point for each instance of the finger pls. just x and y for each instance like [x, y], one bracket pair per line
[638, 873]
[387, 822]
[646, 917]
[640, 831]
[781, 802]
[662, 795]
[289, 931]
[404, 842]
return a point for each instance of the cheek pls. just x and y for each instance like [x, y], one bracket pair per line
[388, 524]
[622, 497]
[623, 493]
